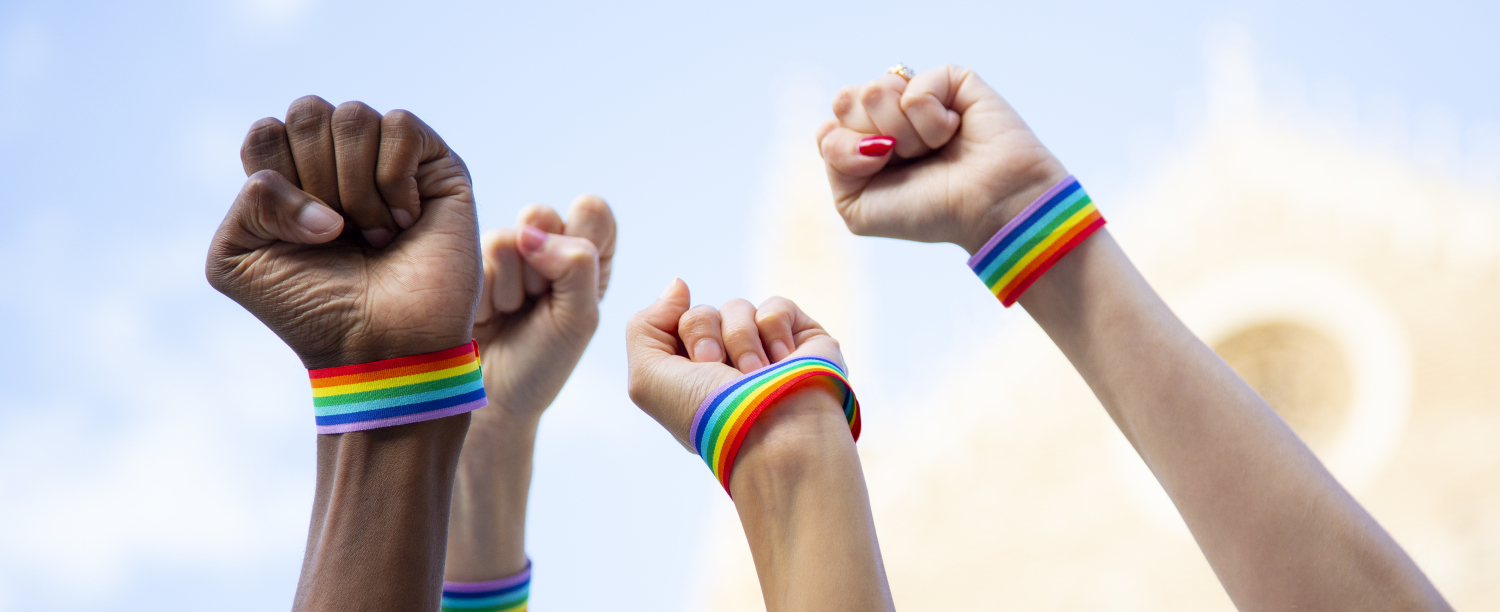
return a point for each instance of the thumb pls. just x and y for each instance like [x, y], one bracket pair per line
[662, 382]
[570, 263]
[270, 209]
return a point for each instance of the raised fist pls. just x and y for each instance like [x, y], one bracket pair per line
[962, 165]
[678, 356]
[540, 305]
[354, 238]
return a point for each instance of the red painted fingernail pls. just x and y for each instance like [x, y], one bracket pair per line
[531, 238]
[876, 146]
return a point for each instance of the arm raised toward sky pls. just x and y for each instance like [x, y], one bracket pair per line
[797, 483]
[538, 311]
[355, 241]
[1277, 529]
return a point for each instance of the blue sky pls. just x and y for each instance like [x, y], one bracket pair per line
[155, 441]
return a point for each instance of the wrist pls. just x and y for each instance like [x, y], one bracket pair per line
[789, 442]
[1024, 187]
[487, 533]
[352, 351]
[383, 492]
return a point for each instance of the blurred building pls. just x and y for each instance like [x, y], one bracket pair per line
[1351, 287]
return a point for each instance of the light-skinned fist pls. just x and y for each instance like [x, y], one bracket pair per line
[539, 307]
[962, 165]
[679, 355]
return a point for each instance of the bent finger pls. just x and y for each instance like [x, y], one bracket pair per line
[591, 218]
[699, 329]
[926, 104]
[570, 266]
[265, 148]
[776, 319]
[741, 337]
[504, 263]
[309, 131]
[542, 217]
[356, 139]
[881, 99]
[848, 152]
[850, 112]
[406, 142]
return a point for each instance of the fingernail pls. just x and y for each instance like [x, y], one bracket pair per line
[778, 350]
[750, 363]
[531, 238]
[378, 237]
[876, 146]
[707, 351]
[317, 218]
[402, 218]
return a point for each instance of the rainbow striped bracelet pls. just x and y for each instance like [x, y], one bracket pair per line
[1026, 248]
[503, 595]
[397, 391]
[726, 416]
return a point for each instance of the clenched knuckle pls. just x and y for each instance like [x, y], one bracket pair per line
[856, 224]
[843, 101]
[260, 183]
[584, 252]
[400, 118]
[354, 116]
[265, 131]
[309, 104]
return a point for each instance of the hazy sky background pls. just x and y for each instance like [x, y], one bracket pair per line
[156, 441]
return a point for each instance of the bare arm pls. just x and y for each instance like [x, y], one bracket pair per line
[380, 518]
[487, 533]
[1279, 531]
[801, 498]
[538, 309]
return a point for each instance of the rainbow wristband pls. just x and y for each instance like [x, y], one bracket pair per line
[397, 391]
[726, 416]
[1027, 247]
[503, 595]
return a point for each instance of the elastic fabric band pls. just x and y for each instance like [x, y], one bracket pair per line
[725, 417]
[1028, 246]
[504, 595]
[397, 391]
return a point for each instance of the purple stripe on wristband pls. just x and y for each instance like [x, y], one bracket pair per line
[1021, 218]
[404, 419]
[490, 585]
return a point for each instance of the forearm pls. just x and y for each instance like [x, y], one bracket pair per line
[487, 535]
[380, 518]
[1278, 530]
[801, 498]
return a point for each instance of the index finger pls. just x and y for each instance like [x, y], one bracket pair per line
[266, 148]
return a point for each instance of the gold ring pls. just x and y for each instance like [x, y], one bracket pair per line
[902, 71]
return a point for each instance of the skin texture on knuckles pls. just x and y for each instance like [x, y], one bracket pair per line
[334, 299]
